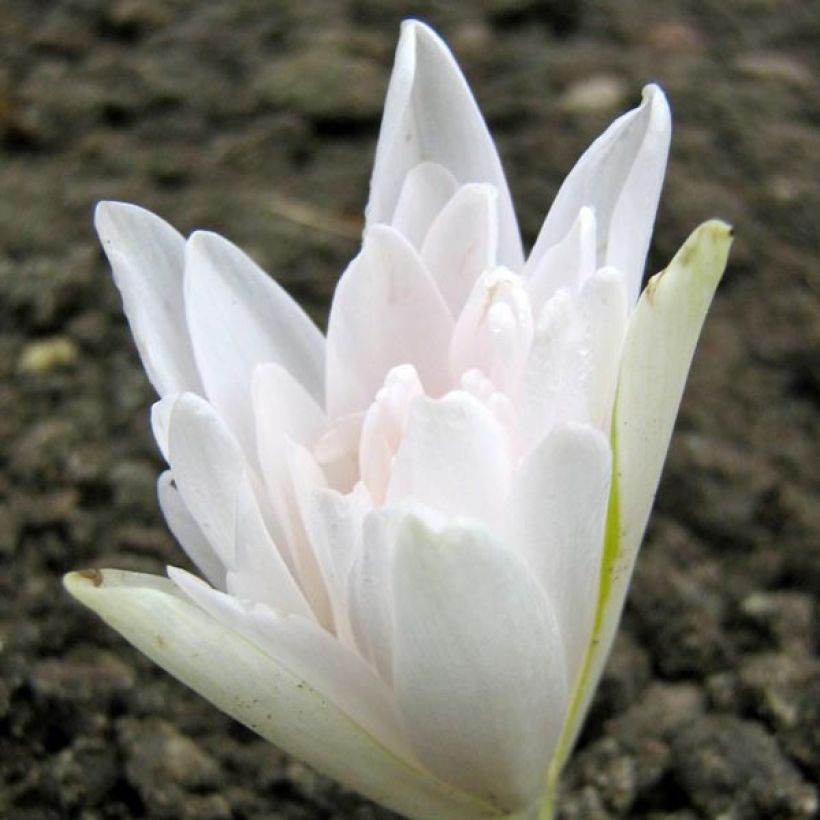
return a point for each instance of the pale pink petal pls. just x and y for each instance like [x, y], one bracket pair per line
[386, 312]
[454, 458]
[430, 115]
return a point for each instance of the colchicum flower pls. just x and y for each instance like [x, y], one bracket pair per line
[416, 532]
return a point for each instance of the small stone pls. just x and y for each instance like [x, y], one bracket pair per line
[41, 357]
[788, 617]
[594, 95]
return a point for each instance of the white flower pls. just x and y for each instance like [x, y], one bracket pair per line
[416, 556]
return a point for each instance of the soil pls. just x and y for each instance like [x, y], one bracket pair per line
[258, 120]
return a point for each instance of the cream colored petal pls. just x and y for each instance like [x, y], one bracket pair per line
[258, 690]
[658, 350]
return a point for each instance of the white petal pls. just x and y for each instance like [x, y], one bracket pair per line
[334, 525]
[557, 513]
[555, 374]
[147, 259]
[658, 350]
[280, 402]
[454, 458]
[370, 601]
[620, 177]
[567, 264]
[261, 574]
[478, 665]
[386, 312]
[240, 318]
[430, 116]
[603, 312]
[425, 191]
[161, 421]
[208, 467]
[250, 684]
[187, 531]
[463, 242]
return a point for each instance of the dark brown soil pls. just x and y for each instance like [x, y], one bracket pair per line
[258, 120]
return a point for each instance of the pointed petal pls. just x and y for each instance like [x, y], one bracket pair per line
[463, 242]
[478, 666]
[431, 115]
[554, 377]
[187, 532]
[620, 177]
[386, 312]
[240, 318]
[425, 191]
[161, 421]
[567, 264]
[454, 458]
[658, 350]
[557, 513]
[254, 687]
[147, 260]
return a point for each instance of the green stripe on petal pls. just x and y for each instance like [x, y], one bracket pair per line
[257, 690]
[660, 343]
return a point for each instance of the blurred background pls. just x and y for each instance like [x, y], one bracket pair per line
[258, 120]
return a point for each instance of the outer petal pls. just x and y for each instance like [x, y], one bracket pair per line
[557, 513]
[147, 259]
[431, 115]
[425, 191]
[386, 312]
[620, 176]
[477, 663]
[254, 687]
[658, 350]
[463, 242]
[187, 531]
[454, 458]
[240, 318]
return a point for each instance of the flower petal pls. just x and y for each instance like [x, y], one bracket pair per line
[620, 177]
[567, 264]
[477, 661]
[147, 258]
[454, 458]
[240, 318]
[387, 311]
[557, 513]
[431, 115]
[658, 350]
[187, 532]
[554, 377]
[425, 191]
[463, 242]
[254, 687]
